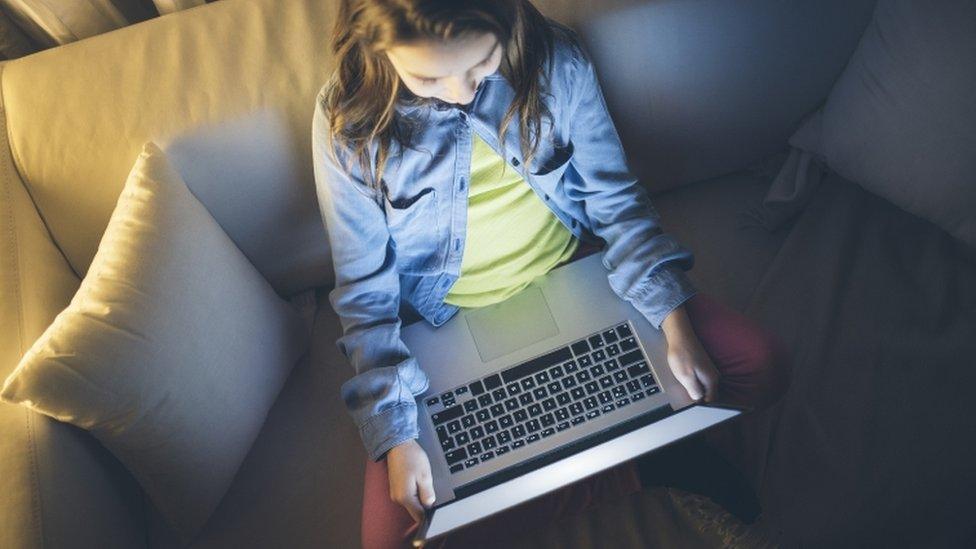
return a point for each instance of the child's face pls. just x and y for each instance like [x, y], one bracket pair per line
[447, 70]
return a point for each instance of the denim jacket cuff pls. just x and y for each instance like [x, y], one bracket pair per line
[389, 428]
[662, 292]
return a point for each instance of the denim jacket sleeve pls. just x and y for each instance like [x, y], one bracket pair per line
[380, 397]
[646, 265]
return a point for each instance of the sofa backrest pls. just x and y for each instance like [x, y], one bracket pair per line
[700, 88]
[228, 89]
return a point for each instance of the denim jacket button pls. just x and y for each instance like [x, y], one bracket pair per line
[515, 161]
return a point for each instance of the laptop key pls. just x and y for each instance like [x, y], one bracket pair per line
[457, 468]
[499, 395]
[486, 456]
[569, 382]
[652, 390]
[461, 390]
[506, 421]
[535, 410]
[455, 456]
[613, 350]
[624, 331]
[577, 393]
[619, 391]
[592, 387]
[491, 427]
[518, 431]
[554, 387]
[462, 437]
[628, 344]
[563, 399]
[447, 444]
[610, 336]
[647, 381]
[521, 415]
[485, 400]
[631, 357]
[476, 388]
[623, 402]
[580, 347]
[577, 420]
[576, 408]
[606, 381]
[556, 372]
[518, 444]
[471, 462]
[493, 382]
[633, 386]
[432, 401]
[477, 432]
[599, 355]
[468, 421]
[584, 361]
[592, 414]
[454, 426]
[471, 405]
[637, 396]
[474, 448]
[453, 412]
[542, 377]
[526, 398]
[583, 376]
[549, 404]
[482, 415]
[571, 366]
[489, 442]
[503, 437]
[612, 365]
[562, 414]
[620, 376]
[638, 369]
[511, 404]
[539, 393]
[562, 426]
[447, 399]
[548, 432]
[605, 397]
[532, 438]
[533, 425]
[608, 408]
[513, 389]
[590, 403]
[547, 420]
[597, 370]
[596, 341]
[527, 383]
[501, 450]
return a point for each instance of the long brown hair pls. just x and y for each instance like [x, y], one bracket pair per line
[361, 98]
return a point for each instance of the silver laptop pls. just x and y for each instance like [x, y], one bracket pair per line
[560, 381]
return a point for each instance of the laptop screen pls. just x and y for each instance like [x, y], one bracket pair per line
[466, 510]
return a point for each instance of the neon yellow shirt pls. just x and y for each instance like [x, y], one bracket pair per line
[512, 236]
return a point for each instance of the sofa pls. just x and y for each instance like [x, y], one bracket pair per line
[872, 444]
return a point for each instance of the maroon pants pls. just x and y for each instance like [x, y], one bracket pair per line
[752, 372]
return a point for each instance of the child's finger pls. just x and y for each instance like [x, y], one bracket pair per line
[425, 487]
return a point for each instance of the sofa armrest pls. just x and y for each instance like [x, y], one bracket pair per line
[59, 487]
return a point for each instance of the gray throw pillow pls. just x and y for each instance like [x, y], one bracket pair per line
[172, 351]
[901, 119]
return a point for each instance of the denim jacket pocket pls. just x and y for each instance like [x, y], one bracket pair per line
[414, 228]
[551, 160]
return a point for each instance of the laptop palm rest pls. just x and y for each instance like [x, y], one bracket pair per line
[517, 322]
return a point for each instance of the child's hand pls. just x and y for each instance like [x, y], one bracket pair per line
[689, 361]
[411, 483]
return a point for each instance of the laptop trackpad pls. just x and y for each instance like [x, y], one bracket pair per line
[505, 327]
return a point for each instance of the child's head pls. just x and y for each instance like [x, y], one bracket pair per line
[418, 51]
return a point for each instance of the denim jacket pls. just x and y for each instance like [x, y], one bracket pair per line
[406, 242]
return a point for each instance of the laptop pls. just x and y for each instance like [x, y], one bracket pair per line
[556, 383]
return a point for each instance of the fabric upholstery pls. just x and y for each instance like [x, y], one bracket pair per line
[901, 120]
[58, 484]
[172, 350]
[705, 88]
[52, 22]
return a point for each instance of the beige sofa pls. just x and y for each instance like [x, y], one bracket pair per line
[228, 89]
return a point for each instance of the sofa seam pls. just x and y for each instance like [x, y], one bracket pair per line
[36, 515]
[16, 168]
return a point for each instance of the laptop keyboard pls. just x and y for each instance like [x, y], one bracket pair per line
[559, 390]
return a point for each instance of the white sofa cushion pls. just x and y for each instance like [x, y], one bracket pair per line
[171, 352]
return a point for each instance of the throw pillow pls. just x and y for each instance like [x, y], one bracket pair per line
[172, 351]
[901, 119]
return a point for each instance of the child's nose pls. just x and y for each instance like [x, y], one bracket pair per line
[462, 90]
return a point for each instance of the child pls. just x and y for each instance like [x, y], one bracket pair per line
[463, 148]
